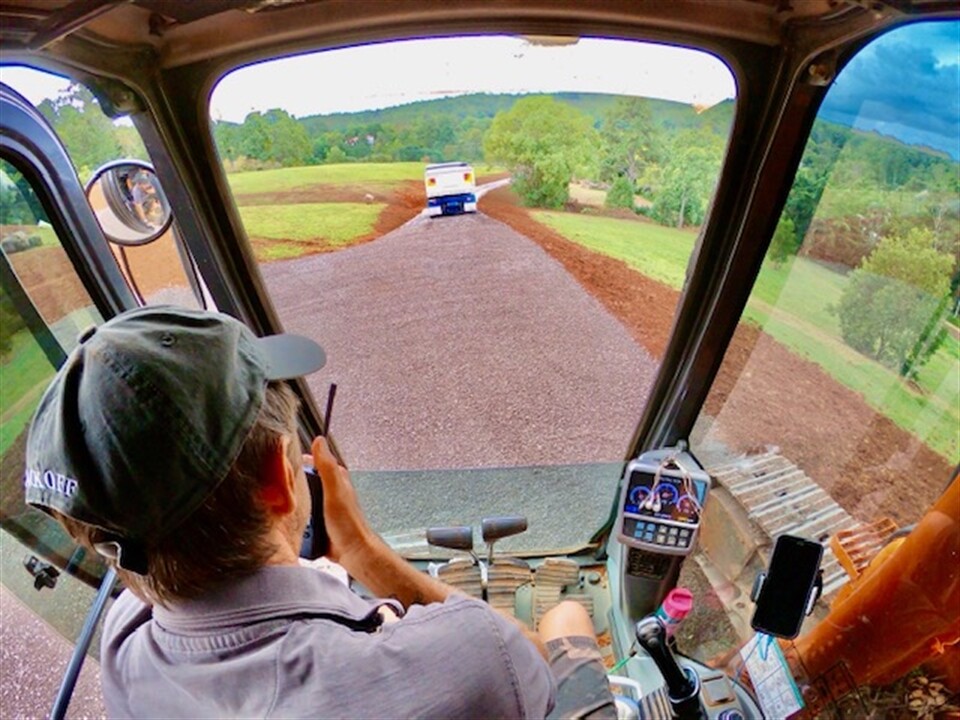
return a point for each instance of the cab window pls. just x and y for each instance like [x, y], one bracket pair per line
[48, 581]
[835, 413]
[160, 271]
[477, 353]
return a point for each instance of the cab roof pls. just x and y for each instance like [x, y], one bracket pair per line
[178, 32]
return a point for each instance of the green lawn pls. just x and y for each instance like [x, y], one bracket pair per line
[802, 288]
[24, 373]
[334, 223]
[792, 304]
[658, 252]
[848, 202]
[374, 175]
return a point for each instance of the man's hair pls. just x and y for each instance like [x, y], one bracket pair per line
[225, 539]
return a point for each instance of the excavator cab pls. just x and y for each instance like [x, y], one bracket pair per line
[689, 356]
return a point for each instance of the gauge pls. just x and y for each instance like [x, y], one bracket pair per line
[638, 495]
[667, 494]
[687, 508]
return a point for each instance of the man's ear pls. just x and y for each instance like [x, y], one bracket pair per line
[277, 489]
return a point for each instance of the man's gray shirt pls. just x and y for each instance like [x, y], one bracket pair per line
[295, 642]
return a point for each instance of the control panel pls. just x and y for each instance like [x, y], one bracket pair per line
[662, 501]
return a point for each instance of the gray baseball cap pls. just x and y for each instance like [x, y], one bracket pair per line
[146, 417]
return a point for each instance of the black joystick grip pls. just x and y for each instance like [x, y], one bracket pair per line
[455, 538]
[683, 688]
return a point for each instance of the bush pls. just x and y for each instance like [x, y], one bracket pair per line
[784, 242]
[894, 305]
[620, 194]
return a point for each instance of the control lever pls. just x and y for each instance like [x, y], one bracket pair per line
[494, 528]
[453, 538]
[683, 684]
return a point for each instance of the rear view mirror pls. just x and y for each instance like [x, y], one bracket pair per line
[129, 203]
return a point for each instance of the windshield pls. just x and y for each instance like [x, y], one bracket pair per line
[488, 235]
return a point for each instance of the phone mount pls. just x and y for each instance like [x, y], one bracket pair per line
[815, 594]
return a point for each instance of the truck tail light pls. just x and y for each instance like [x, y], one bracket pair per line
[467, 177]
[431, 181]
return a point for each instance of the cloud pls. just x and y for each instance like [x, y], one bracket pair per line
[905, 84]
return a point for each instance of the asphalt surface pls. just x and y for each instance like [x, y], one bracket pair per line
[458, 344]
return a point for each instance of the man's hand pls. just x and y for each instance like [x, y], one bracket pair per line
[350, 535]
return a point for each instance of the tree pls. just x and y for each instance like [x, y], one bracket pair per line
[336, 155]
[85, 131]
[620, 194]
[893, 306]
[784, 242]
[802, 202]
[289, 144]
[274, 138]
[687, 178]
[630, 139]
[542, 142]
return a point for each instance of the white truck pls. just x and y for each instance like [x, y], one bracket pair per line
[450, 188]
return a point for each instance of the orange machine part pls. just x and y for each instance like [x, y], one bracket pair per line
[904, 608]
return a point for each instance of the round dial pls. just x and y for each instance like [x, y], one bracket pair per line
[667, 494]
[638, 495]
[686, 506]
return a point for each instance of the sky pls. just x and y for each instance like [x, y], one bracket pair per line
[922, 108]
[919, 108]
[376, 76]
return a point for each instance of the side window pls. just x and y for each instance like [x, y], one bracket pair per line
[835, 414]
[43, 307]
[159, 271]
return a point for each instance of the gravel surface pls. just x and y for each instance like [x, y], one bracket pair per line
[33, 658]
[456, 343]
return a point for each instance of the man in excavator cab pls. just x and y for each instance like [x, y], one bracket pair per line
[167, 442]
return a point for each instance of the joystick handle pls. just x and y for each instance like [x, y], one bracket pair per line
[683, 687]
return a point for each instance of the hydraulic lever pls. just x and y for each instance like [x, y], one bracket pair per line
[494, 528]
[683, 685]
[453, 538]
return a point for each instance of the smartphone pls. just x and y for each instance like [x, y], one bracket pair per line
[787, 590]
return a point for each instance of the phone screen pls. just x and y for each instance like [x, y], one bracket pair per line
[783, 599]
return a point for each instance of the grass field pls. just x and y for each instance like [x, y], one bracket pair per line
[333, 223]
[24, 373]
[375, 176]
[792, 304]
[658, 252]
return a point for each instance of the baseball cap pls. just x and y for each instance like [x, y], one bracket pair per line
[146, 417]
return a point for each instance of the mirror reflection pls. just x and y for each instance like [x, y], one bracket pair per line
[129, 203]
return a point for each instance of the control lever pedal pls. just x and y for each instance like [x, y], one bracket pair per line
[460, 538]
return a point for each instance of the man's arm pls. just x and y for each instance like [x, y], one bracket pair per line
[355, 546]
[364, 554]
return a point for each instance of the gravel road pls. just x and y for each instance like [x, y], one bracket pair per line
[458, 343]
[455, 343]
